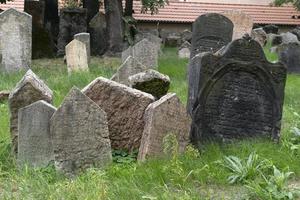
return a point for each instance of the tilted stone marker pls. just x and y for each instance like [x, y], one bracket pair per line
[125, 108]
[151, 38]
[185, 50]
[15, 40]
[241, 94]
[260, 36]
[144, 51]
[210, 33]
[29, 90]
[289, 54]
[80, 134]
[288, 38]
[76, 56]
[85, 38]
[35, 141]
[130, 67]
[243, 23]
[165, 116]
[151, 81]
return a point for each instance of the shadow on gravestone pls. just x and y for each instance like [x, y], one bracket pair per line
[241, 94]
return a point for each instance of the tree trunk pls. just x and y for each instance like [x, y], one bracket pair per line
[128, 8]
[92, 7]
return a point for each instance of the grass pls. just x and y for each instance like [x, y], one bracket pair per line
[194, 176]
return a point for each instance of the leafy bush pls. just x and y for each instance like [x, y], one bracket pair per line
[124, 157]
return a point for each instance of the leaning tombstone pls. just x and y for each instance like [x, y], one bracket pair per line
[15, 40]
[289, 54]
[260, 36]
[125, 108]
[35, 142]
[76, 56]
[184, 50]
[151, 38]
[29, 90]
[85, 38]
[241, 94]
[130, 67]
[144, 51]
[165, 116]
[80, 134]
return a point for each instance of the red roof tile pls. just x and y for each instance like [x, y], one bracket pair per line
[17, 4]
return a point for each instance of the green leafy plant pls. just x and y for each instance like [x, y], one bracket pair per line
[124, 157]
[72, 3]
[292, 142]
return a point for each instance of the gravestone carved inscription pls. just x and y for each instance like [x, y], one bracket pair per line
[240, 94]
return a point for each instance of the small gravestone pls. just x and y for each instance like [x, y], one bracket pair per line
[260, 36]
[85, 38]
[184, 50]
[165, 116]
[144, 51]
[240, 94]
[15, 40]
[151, 82]
[243, 23]
[288, 38]
[125, 108]
[80, 134]
[76, 56]
[35, 141]
[29, 90]
[296, 31]
[210, 33]
[151, 38]
[92, 7]
[186, 36]
[130, 67]
[289, 54]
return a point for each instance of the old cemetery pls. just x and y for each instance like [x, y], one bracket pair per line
[216, 117]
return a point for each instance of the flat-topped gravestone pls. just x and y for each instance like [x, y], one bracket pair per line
[15, 40]
[144, 51]
[184, 50]
[29, 90]
[77, 56]
[241, 94]
[243, 23]
[130, 67]
[35, 142]
[125, 108]
[210, 33]
[85, 38]
[165, 116]
[80, 134]
[289, 54]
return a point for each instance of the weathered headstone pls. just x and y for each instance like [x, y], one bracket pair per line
[274, 39]
[29, 90]
[271, 28]
[35, 140]
[173, 39]
[97, 29]
[210, 33]
[80, 134]
[151, 38]
[289, 54]
[260, 36]
[85, 38]
[241, 94]
[150, 81]
[186, 36]
[130, 67]
[125, 108]
[76, 56]
[144, 51]
[243, 23]
[288, 38]
[184, 50]
[296, 31]
[92, 7]
[15, 40]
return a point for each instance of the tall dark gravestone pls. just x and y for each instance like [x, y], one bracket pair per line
[241, 94]
[92, 7]
[289, 54]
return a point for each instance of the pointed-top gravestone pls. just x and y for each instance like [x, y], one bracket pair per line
[77, 56]
[144, 51]
[85, 38]
[80, 134]
[130, 67]
[35, 142]
[15, 40]
[29, 90]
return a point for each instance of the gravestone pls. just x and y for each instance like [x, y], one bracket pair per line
[288, 38]
[210, 33]
[243, 23]
[150, 81]
[15, 40]
[125, 108]
[144, 51]
[274, 39]
[260, 36]
[296, 31]
[35, 141]
[165, 116]
[185, 50]
[92, 7]
[80, 134]
[289, 54]
[186, 36]
[130, 67]
[29, 90]
[241, 94]
[76, 56]
[85, 38]
[151, 38]
[271, 28]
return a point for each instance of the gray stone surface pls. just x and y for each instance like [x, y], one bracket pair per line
[151, 38]
[15, 40]
[288, 38]
[165, 116]
[130, 67]
[186, 36]
[85, 38]
[29, 90]
[150, 81]
[260, 36]
[125, 109]
[289, 54]
[145, 52]
[184, 50]
[77, 56]
[80, 134]
[35, 141]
